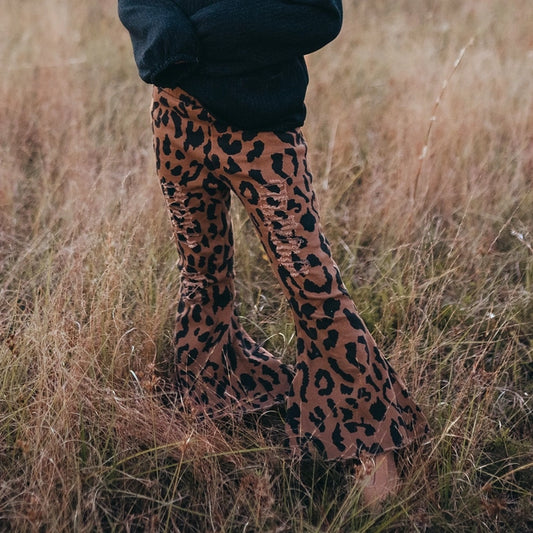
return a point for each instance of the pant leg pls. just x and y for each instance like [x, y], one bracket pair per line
[345, 398]
[218, 366]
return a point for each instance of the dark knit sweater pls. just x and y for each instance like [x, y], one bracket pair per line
[242, 59]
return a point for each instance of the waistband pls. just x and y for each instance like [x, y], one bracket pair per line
[187, 106]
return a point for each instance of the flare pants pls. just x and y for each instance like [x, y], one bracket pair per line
[342, 396]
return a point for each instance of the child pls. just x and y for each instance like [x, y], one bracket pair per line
[228, 103]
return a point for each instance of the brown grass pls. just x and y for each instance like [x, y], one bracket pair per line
[443, 275]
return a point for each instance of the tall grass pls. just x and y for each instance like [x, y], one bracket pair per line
[442, 274]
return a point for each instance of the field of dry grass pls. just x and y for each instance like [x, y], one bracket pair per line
[437, 253]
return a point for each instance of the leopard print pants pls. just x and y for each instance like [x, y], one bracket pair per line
[343, 398]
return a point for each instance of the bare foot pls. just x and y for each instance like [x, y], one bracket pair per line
[379, 479]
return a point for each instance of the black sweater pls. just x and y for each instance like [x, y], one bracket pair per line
[242, 59]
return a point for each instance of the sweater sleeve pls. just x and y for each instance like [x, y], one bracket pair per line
[266, 31]
[165, 44]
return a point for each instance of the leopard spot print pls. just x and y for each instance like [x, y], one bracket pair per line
[343, 397]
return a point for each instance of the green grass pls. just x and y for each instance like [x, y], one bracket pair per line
[443, 276]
